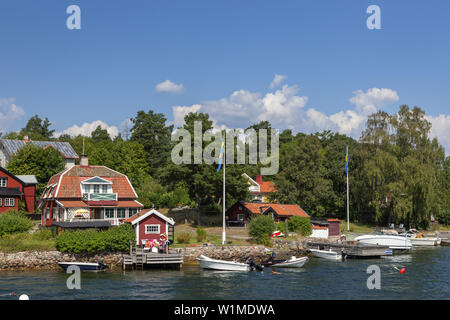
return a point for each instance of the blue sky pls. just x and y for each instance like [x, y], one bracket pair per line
[224, 54]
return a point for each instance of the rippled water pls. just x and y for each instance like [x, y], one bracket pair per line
[427, 277]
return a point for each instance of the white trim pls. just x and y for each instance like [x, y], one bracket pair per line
[105, 181]
[137, 234]
[59, 181]
[153, 211]
[153, 225]
[138, 202]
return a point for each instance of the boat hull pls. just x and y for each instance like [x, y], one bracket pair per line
[393, 242]
[424, 241]
[293, 263]
[326, 254]
[84, 266]
[222, 265]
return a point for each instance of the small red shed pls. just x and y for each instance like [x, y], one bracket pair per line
[149, 224]
[333, 227]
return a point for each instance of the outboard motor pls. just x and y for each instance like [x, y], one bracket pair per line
[253, 265]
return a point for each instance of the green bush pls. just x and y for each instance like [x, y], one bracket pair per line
[260, 229]
[201, 234]
[43, 234]
[14, 222]
[443, 217]
[300, 225]
[183, 237]
[115, 239]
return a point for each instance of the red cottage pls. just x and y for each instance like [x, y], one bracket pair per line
[241, 212]
[14, 188]
[149, 224]
[86, 196]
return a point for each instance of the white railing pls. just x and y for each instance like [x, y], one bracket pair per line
[112, 221]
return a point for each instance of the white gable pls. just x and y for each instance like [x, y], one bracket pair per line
[149, 213]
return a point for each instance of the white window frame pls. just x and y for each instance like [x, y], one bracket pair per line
[124, 213]
[131, 214]
[3, 182]
[105, 188]
[96, 188]
[106, 210]
[242, 215]
[10, 202]
[152, 232]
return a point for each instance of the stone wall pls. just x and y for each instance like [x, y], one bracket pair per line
[49, 259]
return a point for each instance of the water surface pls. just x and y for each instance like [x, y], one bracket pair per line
[427, 277]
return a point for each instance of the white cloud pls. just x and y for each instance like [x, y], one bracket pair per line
[440, 129]
[372, 100]
[286, 109]
[86, 129]
[277, 79]
[9, 112]
[169, 86]
[179, 112]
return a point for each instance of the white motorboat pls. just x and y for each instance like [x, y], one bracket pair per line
[84, 266]
[392, 241]
[215, 264]
[326, 254]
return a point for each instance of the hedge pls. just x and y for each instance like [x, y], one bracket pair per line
[115, 239]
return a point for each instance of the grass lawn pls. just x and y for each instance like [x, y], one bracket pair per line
[25, 242]
[355, 227]
[235, 236]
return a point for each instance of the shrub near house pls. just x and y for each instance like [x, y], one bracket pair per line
[116, 239]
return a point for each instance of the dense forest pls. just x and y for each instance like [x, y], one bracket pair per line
[397, 173]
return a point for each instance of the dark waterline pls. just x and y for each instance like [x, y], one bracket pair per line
[427, 277]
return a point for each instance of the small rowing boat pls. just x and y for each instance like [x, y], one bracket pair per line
[326, 254]
[293, 262]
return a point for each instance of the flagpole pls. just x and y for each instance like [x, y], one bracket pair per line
[348, 205]
[223, 202]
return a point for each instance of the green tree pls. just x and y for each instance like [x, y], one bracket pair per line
[38, 129]
[150, 130]
[100, 134]
[33, 160]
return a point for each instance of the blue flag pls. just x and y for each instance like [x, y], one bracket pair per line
[222, 149]
[346, 161]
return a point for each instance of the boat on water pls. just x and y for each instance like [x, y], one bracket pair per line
[223, 265]
[394, 242]
[293, 262]
[84, 266]
[418, 239]
[326, 254]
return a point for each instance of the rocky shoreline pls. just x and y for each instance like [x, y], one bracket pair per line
[48, 260]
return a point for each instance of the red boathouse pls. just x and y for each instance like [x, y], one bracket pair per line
[149, 224]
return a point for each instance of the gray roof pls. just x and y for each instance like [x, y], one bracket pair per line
[30, 179]
[82, 224]
[13, 146]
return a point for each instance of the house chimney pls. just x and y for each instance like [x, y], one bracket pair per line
[84, 160]
[259, 179]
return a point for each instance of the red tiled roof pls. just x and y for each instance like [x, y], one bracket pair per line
[319, 228]
[73, 204]
[137, 215]
[266, 187]
[84, 204]
[280, 209]
[333, 220]
[70, 180]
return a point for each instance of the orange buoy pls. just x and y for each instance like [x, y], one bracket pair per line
[402, 270]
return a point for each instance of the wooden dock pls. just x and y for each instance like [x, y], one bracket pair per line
[353, 250]
[138, 259]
